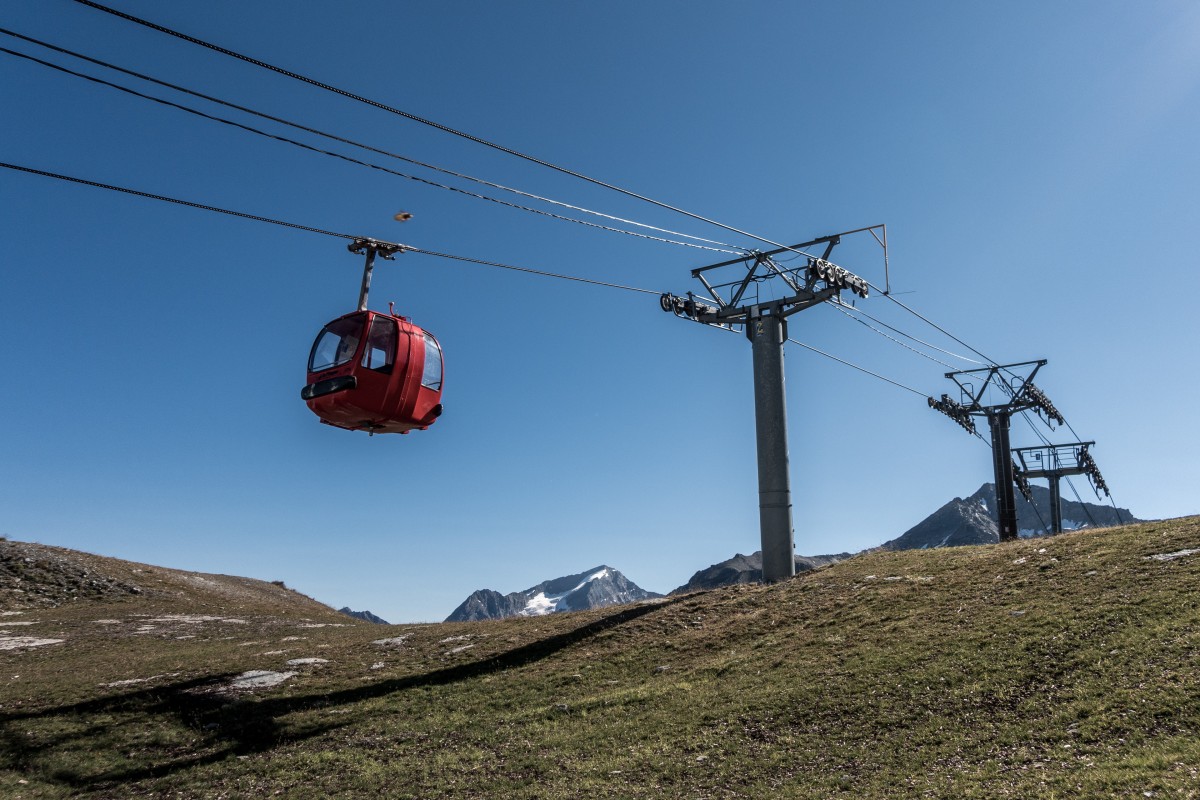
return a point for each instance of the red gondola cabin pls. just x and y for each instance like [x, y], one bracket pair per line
[375, 372]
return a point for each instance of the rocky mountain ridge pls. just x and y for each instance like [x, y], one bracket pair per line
[972, 520]
[365, 616]
[747, 569]
[962, 521]
[595, 588]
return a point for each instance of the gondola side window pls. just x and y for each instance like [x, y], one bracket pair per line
[431, 377]
[380, 352]
[336, 345]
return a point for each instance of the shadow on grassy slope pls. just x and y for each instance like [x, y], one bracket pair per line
[229, 727]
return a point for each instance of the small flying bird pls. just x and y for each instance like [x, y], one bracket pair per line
[403, 216]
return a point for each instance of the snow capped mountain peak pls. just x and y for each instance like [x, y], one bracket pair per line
[601, 586]
[541, 603]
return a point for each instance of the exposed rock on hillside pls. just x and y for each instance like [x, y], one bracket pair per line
[33, 575]
[40, 576]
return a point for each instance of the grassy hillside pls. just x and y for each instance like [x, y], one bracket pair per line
[1061, 667]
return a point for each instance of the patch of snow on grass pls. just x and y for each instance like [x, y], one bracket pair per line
[395, 641]
[259, 679]
[302, 662]
[195, 619]
[134, 681]
[1173, 556]
[17, 642]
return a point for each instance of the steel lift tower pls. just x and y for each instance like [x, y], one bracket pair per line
[1057, 461]
[735, 304]
[1013, 382]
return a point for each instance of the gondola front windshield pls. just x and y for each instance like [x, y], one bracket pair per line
[336, 344]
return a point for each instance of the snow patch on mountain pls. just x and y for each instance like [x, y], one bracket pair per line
[542, 603]
[595, 588]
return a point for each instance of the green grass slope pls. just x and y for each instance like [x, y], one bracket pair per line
[1061, 667]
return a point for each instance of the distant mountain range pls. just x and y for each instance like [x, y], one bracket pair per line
[595, 588]
[365, 616]
[972, 520]
[746, 569]
[962, 521]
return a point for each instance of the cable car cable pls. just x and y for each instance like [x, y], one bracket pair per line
[407, 115]
[529, 270]
[485, 142]
[479, 140]
[310, 229]
[893, 339]
[413, 117]
[350, 159]
[921, 317]
[259, 218]
[861, 313]
[860, 369]
[1075, 492]
[873, 375]
[187, 203]
[344, 140]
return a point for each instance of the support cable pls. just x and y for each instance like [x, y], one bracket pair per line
[258, 218]
[187, 203]
[1041, 521]
[350, 159]
[916, 314]
[856, 310]
[873, 375]
[1075, 492]
[433, 124]
[407, 115]
[529, 270]
[855, 366]
[479, 140]
[840, 307]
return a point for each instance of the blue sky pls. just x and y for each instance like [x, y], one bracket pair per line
[1035, 164]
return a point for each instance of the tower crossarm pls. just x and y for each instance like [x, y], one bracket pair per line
[1051, 460]
[1012, 381]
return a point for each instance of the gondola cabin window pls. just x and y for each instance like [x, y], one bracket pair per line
[380, 353]
[431, 376]
[336, 345]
